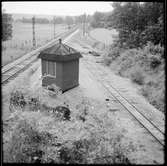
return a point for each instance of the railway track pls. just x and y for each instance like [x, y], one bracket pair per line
[97, 72]
[28, 59]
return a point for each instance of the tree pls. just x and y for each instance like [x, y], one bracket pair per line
[6, 26]
[37, 20]
[79, 19]
[137, 24]
[98, 20]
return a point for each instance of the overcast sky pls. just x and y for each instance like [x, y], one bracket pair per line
[56, 8]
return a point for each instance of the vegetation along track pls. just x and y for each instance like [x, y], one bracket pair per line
[152, 129]
[28, 59]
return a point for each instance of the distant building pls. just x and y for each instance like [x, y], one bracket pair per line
[60, 66]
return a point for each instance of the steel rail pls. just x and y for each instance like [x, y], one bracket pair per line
[31, 56]
[145, 122]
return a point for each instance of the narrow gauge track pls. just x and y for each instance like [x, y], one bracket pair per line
[29, 59]
[152, 129]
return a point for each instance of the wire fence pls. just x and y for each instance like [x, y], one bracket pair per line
[22, 39]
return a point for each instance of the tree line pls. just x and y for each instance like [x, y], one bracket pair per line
[6, 26]
[137, 23]
[69, 20]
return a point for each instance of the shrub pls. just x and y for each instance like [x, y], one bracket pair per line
[23, 143]
[75, 154]
[154, 61]
[26, 143]
[150, 48]
[34, 103]
[17, 99]
[63, 110]
[155, 95]
[137, 76]
[83, 110]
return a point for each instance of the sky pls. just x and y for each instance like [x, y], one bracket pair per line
[63, 8]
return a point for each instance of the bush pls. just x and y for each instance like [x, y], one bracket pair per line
[25, 144]
[137, 76]
[34, 103]
[17, 99]
[154, 62]
[154, 94]
[64, 111]
[150, 48]
[75, 154]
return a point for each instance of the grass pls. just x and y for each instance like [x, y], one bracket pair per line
[145, 67]
[39, 135]
[137, 76]
[21, 42]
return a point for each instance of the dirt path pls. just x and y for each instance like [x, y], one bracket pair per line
[104, 35]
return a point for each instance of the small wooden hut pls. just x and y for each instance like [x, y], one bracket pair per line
[60, 66]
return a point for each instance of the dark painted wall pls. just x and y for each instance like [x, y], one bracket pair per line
[59, 73]
[70, 74]
[43, 67]
[67, 74]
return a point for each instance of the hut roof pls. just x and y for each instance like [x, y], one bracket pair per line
[59, 52]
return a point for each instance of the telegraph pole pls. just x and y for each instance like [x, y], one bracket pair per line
[33, 32]
[84, 22]
[54, 27]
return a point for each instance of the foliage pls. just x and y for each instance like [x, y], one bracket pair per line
[6, 26]
[26, 143]
[145, 66]
[73, 155]
[17, 99]
[155, 93]
[157, 50]
[138, 23]
[137, 76]
[37, 20]
[35, 137]
[98, 20]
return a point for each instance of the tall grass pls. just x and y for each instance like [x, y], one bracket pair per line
[39, 137]
[144, 66]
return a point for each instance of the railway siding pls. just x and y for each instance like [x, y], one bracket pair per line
[11, 70]
[151, 125]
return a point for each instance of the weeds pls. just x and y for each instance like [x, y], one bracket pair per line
[137, 76]
[141, 65]
[17, 99]
[25, 144]
[73, 155]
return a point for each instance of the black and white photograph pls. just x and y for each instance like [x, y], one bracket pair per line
[83, 82]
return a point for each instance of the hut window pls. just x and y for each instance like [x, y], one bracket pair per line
[47, 66]
[50, 68]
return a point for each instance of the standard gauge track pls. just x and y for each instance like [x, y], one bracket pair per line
[152, 129]
[27, 60]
